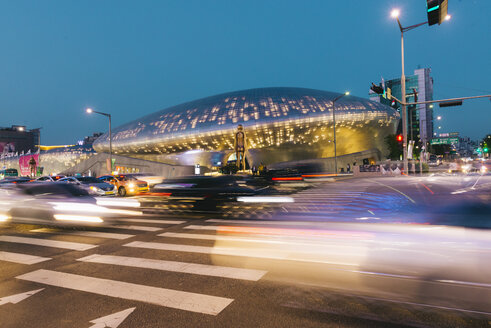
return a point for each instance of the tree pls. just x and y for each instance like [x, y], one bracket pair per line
[441, 149]
[394, 146]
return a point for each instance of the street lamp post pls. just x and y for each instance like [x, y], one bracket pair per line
[395, 14]
[334, 128]
[90, 111]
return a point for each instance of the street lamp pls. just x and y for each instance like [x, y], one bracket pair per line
[395, 14]
[90, 111]
[334, 127]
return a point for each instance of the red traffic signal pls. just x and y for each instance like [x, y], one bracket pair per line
[399, 138]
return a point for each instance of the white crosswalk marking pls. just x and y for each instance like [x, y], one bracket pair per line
[159, 296]
[291, 255]
[22, 258]
[139, 228]
[202, 227]
[96, 234]
[47, 243]
[258, 222]
[155, 221]
[199, 269]
[286, 241]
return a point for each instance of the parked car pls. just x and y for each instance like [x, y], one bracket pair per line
[93, 185]
[125, 184]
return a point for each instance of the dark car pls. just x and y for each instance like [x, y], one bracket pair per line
[93, 185]
[204, 191]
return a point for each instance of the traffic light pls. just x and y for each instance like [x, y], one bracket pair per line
[451, 103]
[399, 138]
[377, 89]
[437, 11]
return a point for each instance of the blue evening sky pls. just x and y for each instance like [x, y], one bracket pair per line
[132, 58]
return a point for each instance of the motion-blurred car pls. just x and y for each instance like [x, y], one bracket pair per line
[52, 204]
[434, 160]
[206, 192]
[49, 178]
[149, 178]
[93, 185]
[442, 263]
[125, 184]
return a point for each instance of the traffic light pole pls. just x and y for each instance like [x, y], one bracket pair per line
[403, 96]
[403, 93]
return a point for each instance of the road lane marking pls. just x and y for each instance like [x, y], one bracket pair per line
[154, 295]
[22, 258]
[96, 234]
[396, 190]
[192, 268]
[14, 299]
[47, 243]
[113, 320]
[139, 228]
[154, 221]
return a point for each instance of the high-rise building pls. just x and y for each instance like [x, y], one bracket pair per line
[420, 117]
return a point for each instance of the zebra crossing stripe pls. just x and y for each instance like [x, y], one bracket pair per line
[155, 221]
[176, 299]
[245, 252]
[47, 243]
[139, 228]
[258, 222]
[192, 268]
[22, 258]
[288, 241]
[96, 234]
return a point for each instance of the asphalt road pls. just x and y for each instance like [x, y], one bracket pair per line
[159, 273]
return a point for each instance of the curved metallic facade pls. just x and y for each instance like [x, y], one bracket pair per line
[282, 124]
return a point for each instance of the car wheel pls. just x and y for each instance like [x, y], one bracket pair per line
[122, 191]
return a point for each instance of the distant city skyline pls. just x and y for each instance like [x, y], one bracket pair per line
[132, 59]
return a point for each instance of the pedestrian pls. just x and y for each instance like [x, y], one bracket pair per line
[254, 170]
[348, 168]
[261, 168]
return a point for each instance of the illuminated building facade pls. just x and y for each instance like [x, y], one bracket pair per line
[282, 125]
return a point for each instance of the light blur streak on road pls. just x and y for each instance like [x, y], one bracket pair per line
[432, 265]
